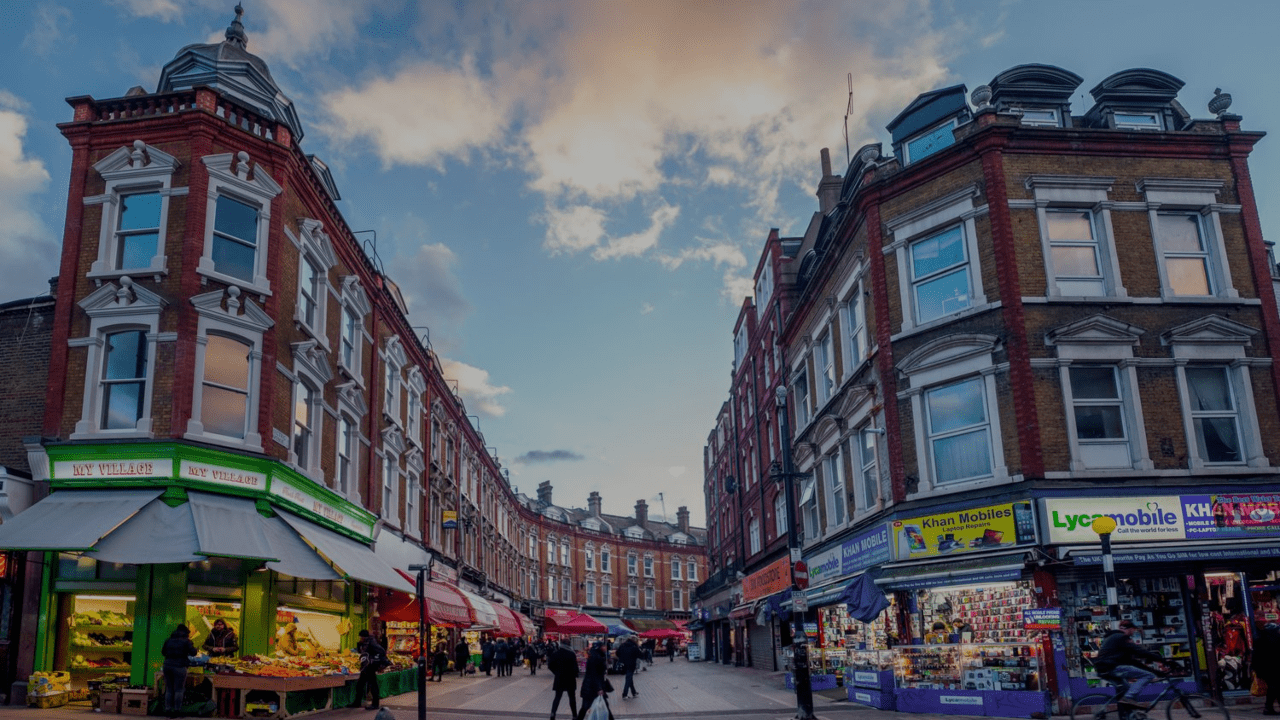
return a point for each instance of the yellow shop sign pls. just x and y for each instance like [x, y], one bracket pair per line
[964, 531]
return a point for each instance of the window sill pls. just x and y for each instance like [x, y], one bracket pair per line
[906, 332]
[258, 286]
[1215, 470]
[156, 271]
[311, 332]
[251, 443]
[952, 488]
[1131, 300]
[114, 434]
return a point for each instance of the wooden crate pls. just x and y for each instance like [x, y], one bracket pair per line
[110, 702]
[134, 701]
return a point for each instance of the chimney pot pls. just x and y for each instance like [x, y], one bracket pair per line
[642, 514]
[544, 492]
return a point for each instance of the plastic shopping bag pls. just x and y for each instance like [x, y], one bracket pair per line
[599, 710]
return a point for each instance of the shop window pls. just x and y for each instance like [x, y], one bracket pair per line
[97, 636]
[135, 211]
[216, 571]
[237, 222]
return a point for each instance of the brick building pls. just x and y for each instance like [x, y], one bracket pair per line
[241, 387]
[1014, 320]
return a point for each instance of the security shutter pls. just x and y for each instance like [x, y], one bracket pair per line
[761, 638]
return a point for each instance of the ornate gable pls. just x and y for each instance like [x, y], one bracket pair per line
[1210, 330]
[1095, 330]
[124, 300]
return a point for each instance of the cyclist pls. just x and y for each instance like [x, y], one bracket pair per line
[1117, 661]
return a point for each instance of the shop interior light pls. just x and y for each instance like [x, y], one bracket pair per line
[126, 598]
[228, 603]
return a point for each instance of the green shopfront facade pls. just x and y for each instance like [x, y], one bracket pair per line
[138, 538]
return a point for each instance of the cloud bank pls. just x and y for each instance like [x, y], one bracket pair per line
[546, 456]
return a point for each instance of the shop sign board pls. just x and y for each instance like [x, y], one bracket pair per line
[1042, 619]
[281, 488]
[217, 475]
[114, 469]
[450, 519]
[775, 577]
[824, 566]
[866, 550]
[1209, 554]
[964, 531]
[1166, 517]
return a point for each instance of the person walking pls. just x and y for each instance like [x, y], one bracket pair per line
[177, 652]
[461, 656]
[439, 663]
[532, 656]
[1118, 657]
[594, 683]
[671, 649]
[486, 656]
[629, 654]
[500, 651]
[563, 665]
[1266, 664]
[650, 647]
[221, 641]
[373, 657]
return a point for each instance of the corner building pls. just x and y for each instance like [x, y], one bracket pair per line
[241, 422]
[1011, 321]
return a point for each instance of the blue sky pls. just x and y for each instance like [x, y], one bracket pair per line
[573, 194]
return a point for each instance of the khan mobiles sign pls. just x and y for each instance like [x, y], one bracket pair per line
[112, 469]
[1173, 517]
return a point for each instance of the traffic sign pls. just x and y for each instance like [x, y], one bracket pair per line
[801, 574]
[799, 602]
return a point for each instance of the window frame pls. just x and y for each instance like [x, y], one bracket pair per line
[835, 488]
[649, 597]
[133, 170]
[824, 368]
[1191, 197]
[868, 469]
[691, 571]
[394, 361]
[247, 326]
[633, 565]
[809, 509]
[1055, 119]
[648, 565]
[315, 252]
[230, 176]
[754, 544]
[780, 515]
[948, 124]
[1156, 117]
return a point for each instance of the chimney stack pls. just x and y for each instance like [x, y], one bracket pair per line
[642, 514]
[544, 492]
[682, 519]
[593, 503]
[829, 186]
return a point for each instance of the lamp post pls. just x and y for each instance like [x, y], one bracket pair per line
[1104, 526]
[800, 645]
[424, 574]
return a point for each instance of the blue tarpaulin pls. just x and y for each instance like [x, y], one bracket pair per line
[864, 600]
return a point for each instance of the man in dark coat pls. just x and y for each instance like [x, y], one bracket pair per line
[373, 657]
[671, 649]
[594, 683]
[1266, 664]
[486, 656]
[563, 664]
[1119, 658]
[628, 654]
[649, 647]
[461, 656]
[532, 655]
[500, 651]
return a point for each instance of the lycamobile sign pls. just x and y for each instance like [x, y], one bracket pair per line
[1138, 519]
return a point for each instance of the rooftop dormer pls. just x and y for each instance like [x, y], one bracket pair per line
[1041, 94]
[927, 124]
[1137, 99]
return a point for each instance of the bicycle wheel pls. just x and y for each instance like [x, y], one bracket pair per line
[1194, 707]
[1094, 705]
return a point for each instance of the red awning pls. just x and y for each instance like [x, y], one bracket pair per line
[508, 621]
[445, 606]
[583, 624]
[661, 634]
[556, 617]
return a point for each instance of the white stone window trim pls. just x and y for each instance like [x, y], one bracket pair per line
[1071, 192]
[129, 170]
[314, 248]
[117, 308]
[1191, 196]
[1217, 341]
[947, 361]
[417, 387]
[355, 301]
[925, 221]
[1101, 340]
[247, 325]
[394, 360]
[311, 367]
[229, 174]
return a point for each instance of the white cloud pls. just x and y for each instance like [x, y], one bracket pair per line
[676, 471]
[46, 33]
[646, 308]
[425, 273]
[736, 288]
[636, 244]
[28, 249]
[162, 10]
[573, 229]
[721, 253]
[477, 392]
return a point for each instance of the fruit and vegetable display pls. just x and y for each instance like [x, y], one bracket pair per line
[99, 640]
[80, 662]
[105, 618]
[286, 666]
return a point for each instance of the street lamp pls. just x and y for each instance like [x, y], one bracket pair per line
[800, 652]
[1104, 526]
[424, 574]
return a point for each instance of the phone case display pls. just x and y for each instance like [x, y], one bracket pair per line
[984, 666]
[1155, 604]
[828, 661]
[989, 613]
[101, 637]
[840, 630]
[870, 668]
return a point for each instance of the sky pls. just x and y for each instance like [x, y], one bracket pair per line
[572, 195]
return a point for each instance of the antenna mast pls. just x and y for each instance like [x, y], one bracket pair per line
[848, 110]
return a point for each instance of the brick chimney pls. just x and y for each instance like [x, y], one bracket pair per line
[593, 503]
[642, 514]
[682, 519]
[544, 492]
[829, 186]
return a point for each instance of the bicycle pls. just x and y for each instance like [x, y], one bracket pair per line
[1179, 705]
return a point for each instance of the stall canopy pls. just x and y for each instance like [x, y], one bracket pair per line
[641, 625]
[157, 533]
[661, 634]
[72, 520]
[483, 616]
[912, 576]
[509, 623]
[583, 624]
[229, 527]
[297, 559]
[555, 617]
[350, 557]
[444, 605]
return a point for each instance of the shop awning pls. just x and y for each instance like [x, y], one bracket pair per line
[350, 557]
[444, 604]
[157, 533]
[914, 576]
[583, 624]
[645, 624]
[72, 520]
[229, 527]
[555, 617]
[508, 623]
[482, 613]
[743, 611]
[295, 557]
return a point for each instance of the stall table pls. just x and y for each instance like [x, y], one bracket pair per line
[281, 686]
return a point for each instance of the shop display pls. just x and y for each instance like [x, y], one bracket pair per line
[985, 666]
[309, 633]
[986, 613]
[1157, 605]
[101, 634]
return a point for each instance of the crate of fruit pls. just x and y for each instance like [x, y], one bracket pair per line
[45, 702]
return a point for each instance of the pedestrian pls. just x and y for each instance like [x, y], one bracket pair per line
[177, 652]
[650, 647]
[373, 657]
[221, 641]
[439, 663]
[1118, 657]
[563, 665]
[461, 656]
[671, 649]
[532, 657]
[1266, 664]
[594, 683]
[628, 654]
[486, 655]
[500, 651]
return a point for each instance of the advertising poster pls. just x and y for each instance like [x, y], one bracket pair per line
[1172, 517]
[1042, 619]
[963, 531]
[450, 518]
[1227, 516]
[866, 550]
